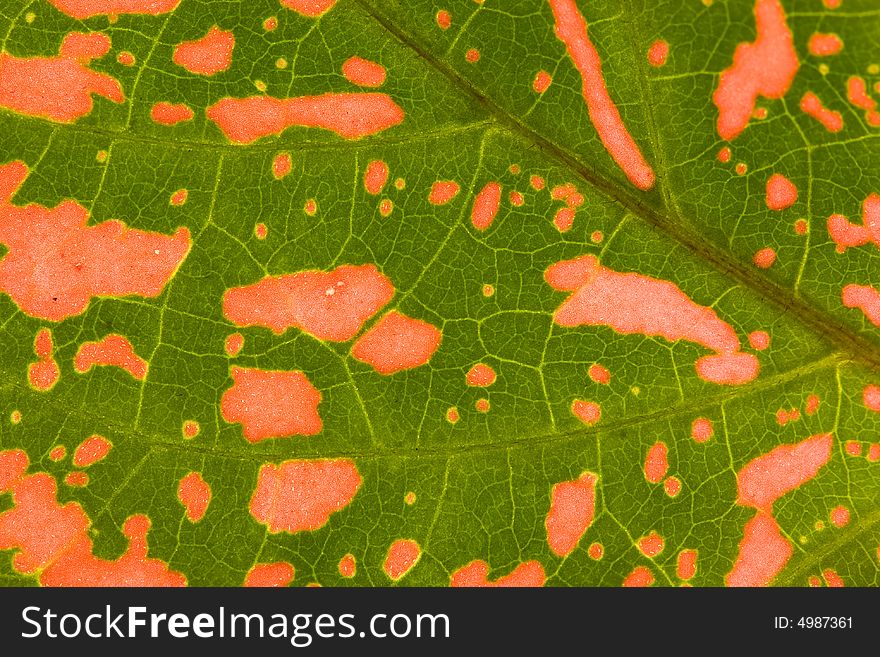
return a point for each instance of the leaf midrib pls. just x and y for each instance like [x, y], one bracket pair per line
[857, 347]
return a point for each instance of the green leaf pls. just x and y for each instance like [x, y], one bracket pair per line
[348, 447]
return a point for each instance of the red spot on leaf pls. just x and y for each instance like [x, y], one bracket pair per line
[375, 177]
[599, 374]
[397, 342]
[472, 55]
[191, 429]
[58, 88]
[658, 52]
[268, 575]
[832, 579]
[640, 577]
[672, 486]
[571, 29]
[167, 114]
[595, 551]
[866, 299]
[350, 115]
[781, 192]
[541, 82]
[330, 305]
[480, 375]
[840, 516]
[87, 8]
[476, 574]
[295, 496]
[486, 205]
[113, 350]
[233, 344]
[824, 45]
[651, 545]
[402, 556]
[759, 340]
[44, 373]
[443, 191]
[347, 566]
[195, 495]
[125, 58]
[208, 55]
[687, 564]
[77, 479]
[444, 19]
[310, 8]
[482, 405]
[587, 412]
[58, 453]
[764, 258]
[271, 404]
[91, 450]
[764, 68]
[702, 430]
[572, 508]
[846, 235]
[363, 72]
[656, 463]
[763, 553]
[281, 165]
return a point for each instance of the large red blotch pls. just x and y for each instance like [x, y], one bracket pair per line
[846, 235]
[634, 303]
[195, 495]
[396, 343]
[765, 479]
[571, 29]
[764, 68]
[209, 55]
[296, 496]
[349, 115]
[88, 8]
[44, 373]
[572, 507]
[53, 538]
[58, 88]
[865, 298]
[329, 305]
[271, 404]
[112, 350]
[476, 574]
[310, 8]
[763, 553]
[56, 263]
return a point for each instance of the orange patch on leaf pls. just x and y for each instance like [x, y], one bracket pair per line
[195, 495]
[640, 577]
[476, 574]
[672, 486]
[77, 479]
[270, 575]
[233, 344]
[375, 177]
[349, 115]
[599, 374]
[112, 350]
[764, 258]
[330, 305]
[191, 429]
[402, 556]
[82, 9]
[208, 55]
[651, 545]
[58, 88]
[56, 263]
[687, 564]
[44, 373]
[765, 479]
[363, 72]
[763, 553]
[635, 303]
[840, 516]
[58, 453]
[443, 191]
[702, 430]
[656, 463]
[271, 404]
[486, 204]
[165, 113]
[281, 165]
[297, 495]
[444, 19]
[480, 375]
[396, 343]
[866, 299]
[542, 82]
[759, 340]
[824, 45]
[572, 508]
[846, 235]
[91, 450]
[571, 29]
[587, 412]
[310, 8]
[347, 566]
[658, 52]
[832, 579]
[764, 68]
[781, 192]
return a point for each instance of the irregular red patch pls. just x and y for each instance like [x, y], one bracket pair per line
[270, 575]
[781, 192]
[658, 52]
[56, 263]
[763, 553]
[44, 373]
[310, 8]
[77, 479]
[486, 204]
[402, 556]
[396, 343]
[832, 579]
[233, 344]
[348, 566]
[349, 115]
[764, 68]
[63, 556]
[113, 350]
[634, 303]
[443, 191]
[295, 496]
[587, 412]
[165, 113]
[195, 495]
[476, 574]
[208, 55]
[641, 576]
[824, 45]
[846, 235]
[281, 165]
[58, 88]
[480, 375]
[765, 479]
[91, 450]
[87, 8]
[271, 404]
[571, 29]
[687, 564]
[330, 305]
[363, 72]
[375, 177]
[651, 545]
[656, 463]
[812, 404]
[865, 298]
[572, 508]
